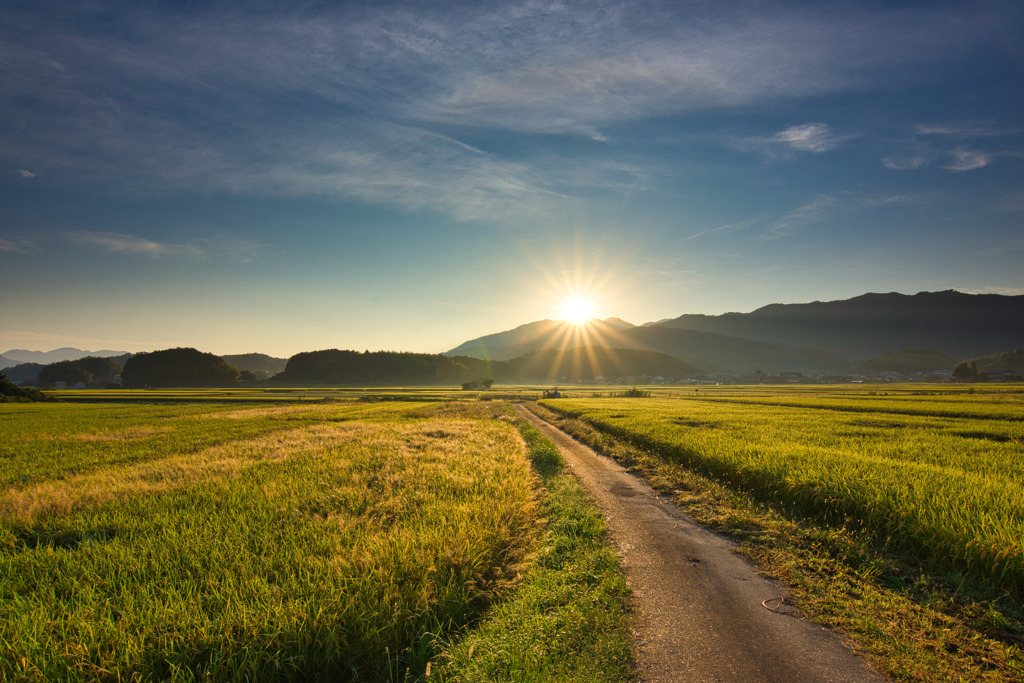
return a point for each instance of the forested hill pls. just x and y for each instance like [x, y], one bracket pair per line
[828, 336]
[543, 334]
[702, 350]
[960, 325]
[387, 368]
[16, 356]
[257, 362]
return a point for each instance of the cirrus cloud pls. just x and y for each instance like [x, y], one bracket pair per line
[810, 137]
[17, 247]
[964, 159]
[130, 244]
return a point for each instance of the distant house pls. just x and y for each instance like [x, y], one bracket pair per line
[938, 376]
[1003, 375]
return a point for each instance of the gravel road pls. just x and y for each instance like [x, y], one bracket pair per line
[703, 613]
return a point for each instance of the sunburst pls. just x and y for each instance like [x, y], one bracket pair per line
[577, 309]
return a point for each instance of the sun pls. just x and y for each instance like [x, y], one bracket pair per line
[577, 309]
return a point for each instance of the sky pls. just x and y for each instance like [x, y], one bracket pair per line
[290, 176]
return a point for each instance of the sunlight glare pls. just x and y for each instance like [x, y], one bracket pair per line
[577, 310]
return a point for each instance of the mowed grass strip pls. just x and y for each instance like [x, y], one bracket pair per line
[569, 619]
[347, 558]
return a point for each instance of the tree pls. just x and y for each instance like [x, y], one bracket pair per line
[91, 370]
[965, 372]
[333, 366]
[10, 392]
[68, 371]
[181, 367]
[478, 384]
[103, 370]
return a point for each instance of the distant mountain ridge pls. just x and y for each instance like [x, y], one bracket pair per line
[15, 356]
[820, 336]
[540, 335]
[960, 325]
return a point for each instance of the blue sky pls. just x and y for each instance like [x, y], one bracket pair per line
[289, 176]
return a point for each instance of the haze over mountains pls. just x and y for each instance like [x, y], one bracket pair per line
[15, 356]
[868, 333]
[820, 336]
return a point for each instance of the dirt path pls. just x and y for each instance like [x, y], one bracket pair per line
[701, 608]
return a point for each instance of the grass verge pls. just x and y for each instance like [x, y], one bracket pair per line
[568, 620]
[915, 625]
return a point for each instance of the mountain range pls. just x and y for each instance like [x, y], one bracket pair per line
[15, 356]
[832, 336]
[19, 367]
[867, 333]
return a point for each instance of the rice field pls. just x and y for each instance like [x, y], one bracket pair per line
[313, 541]
[939, 475]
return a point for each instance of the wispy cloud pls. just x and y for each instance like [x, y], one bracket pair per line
[25, 173]
[47, 341]
[994, 289]
[932, 142]
[964, 159]
[810, 137]
[614, 72]
[793, 221]
[130, 244]
[814, 138]
[1003, 247]
[368, 101]
[907, 163]
[236, 248]
[959, 159]
[961, 130]
[729, 227]
[911, 199]
[17, 247]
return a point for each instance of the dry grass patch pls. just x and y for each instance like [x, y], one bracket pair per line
[334, 551]
[61, 496]
[261, 412]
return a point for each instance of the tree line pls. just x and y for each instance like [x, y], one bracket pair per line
[388, 368]
[188, 367]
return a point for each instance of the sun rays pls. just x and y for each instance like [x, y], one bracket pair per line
[580, 279]
[577, 309]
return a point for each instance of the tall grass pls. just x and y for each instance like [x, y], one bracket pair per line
[333, 544]
[950, 489]
[568, 621]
